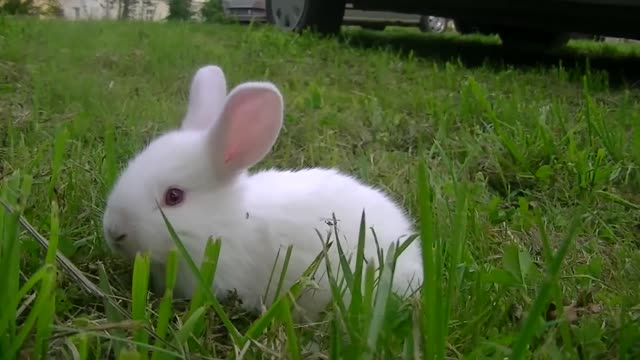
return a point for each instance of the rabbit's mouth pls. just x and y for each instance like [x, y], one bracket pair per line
[120, 248]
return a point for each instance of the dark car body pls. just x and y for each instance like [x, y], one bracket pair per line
[524, 24]
[616, 18]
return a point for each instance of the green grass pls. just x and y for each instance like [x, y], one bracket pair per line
[523, 179]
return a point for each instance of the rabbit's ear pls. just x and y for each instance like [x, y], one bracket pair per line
[206, 98]
[248, 126]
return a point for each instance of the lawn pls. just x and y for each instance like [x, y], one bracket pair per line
[529, 192]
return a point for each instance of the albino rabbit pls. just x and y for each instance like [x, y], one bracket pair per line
[198, 175]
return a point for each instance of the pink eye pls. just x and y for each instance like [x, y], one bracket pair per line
[173, 196]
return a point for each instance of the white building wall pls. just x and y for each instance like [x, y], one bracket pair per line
[149, 10]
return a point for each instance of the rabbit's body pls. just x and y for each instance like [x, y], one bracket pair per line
[199, 176]
[297, 204]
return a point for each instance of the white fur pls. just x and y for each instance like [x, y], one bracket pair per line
[255, 215]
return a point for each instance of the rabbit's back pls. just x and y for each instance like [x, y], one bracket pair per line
[297, 206]
[314, 195]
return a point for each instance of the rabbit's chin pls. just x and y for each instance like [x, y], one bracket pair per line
[150, 246]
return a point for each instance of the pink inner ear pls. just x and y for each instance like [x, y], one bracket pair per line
[254, 117]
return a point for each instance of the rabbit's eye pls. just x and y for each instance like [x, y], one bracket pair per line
[173, 197]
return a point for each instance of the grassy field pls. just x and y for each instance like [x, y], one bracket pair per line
[532, 201]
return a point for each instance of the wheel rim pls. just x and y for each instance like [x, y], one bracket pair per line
[436, 24]
[287, 13]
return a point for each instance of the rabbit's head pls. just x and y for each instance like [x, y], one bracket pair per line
[195, 171]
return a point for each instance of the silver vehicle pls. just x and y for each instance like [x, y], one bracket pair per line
[523, 24]
[378, 20]
[245, 10]
[255, 10]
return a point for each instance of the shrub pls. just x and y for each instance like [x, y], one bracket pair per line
[179, 10]
[212, 11]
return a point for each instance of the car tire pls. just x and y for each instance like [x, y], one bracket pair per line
[320, 16]
[531, 40]
[433, 24]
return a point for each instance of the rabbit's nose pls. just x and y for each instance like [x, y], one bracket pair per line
[113, 226]
[116, 236]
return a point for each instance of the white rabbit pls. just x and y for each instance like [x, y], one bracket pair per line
[199, 176]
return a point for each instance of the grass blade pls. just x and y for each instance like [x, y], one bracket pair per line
[10, 270]
[455, 251]
[58, 156]
[337, 300]
[273, 270]
[165, 311]
[382, 296]
[539, 303]
[43, 297]
[293, 292]
[10, 250]
[344, 260]
[238, 339]
[44, 325]
[113, 315]
[283, 272]
[355, 308]
[292, 338]
[187, 329]
[565, 331]
[139, 291]
[54, 234]
[430, 299]
[208, 271]
[71, 270]
[45, 320]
